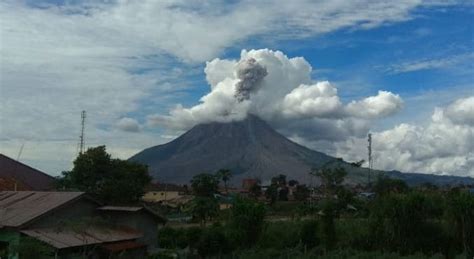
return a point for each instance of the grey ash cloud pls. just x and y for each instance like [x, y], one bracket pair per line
[250, 74]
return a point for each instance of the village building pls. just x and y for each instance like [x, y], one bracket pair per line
[16, 176]
[162, 192]
[72, 223]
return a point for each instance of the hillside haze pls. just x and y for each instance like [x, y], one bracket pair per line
[250, 148]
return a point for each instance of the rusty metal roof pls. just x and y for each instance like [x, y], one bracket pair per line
[19, 208]
[32, 179]
[61, 238]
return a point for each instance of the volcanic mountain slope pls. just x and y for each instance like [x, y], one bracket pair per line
[250, 148]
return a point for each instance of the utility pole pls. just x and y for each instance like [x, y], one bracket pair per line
[15, 185]
[369, 147]
[81, 137]
[19, 153]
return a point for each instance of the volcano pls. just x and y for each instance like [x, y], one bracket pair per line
[252, 149]
[249, 148]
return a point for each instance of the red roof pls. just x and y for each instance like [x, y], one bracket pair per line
[26, 177]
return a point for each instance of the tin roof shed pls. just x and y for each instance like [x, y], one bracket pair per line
[20, 208]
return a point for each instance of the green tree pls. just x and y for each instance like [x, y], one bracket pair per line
[33, 248]
[247, 220]
[204, 185]
[283, 193]
[331, 179]
[271, 193]
[328, 228]
[110, 180]
[309, 234]
[358, 163]
[213, 242]
[224, 175]
[172, 238]
[460, 212]
[293, 183]
[204, 206]
[331, 205]
[406, 223]
[279, 180]
[255, 191]
[278, 189]
[385, 185]
[301, 193]
[127, 182]
[193, 235]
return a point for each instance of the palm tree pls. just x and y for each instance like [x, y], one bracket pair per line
[224, 175]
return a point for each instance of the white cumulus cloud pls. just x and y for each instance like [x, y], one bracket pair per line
[317, 100]
[285, 96]
[381, 105]
[445, 145]
[461, 111]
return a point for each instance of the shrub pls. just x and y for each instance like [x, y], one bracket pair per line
[172, 238]
[280, 235]
[213, 241]
[247, 220]
[309, 234]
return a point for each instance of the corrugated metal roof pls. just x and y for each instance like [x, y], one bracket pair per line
[134, 209]
[120, 208]
[67, 238]
[19, 208]
[25, 175]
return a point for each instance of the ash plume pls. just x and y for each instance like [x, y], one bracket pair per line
[251, 74]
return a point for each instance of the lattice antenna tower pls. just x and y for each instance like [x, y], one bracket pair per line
[81, 137]
[369, 149]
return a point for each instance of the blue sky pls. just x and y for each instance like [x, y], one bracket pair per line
[127, 63]
[361, 62]
[367, 56]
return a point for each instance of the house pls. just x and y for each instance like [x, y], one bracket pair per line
[225, 202]
[71, 223]
[161, 192]
[16, 176]
[137, 218]
[178, 202]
